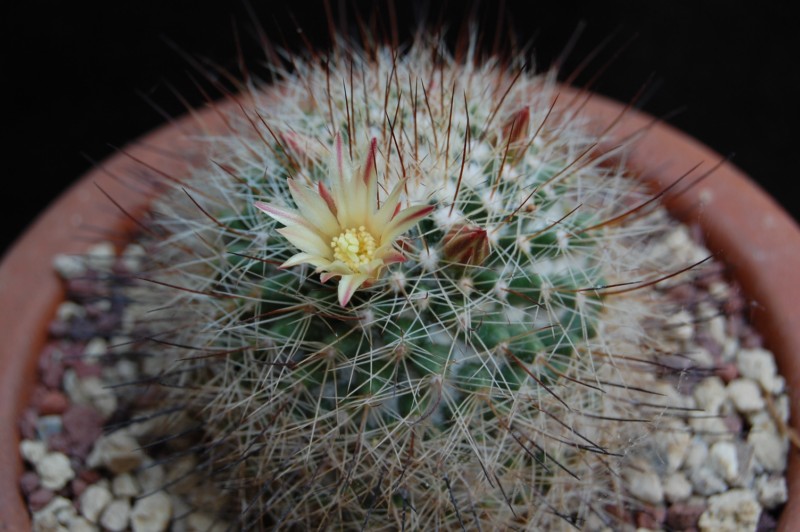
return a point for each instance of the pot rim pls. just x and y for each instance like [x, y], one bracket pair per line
[743, 227]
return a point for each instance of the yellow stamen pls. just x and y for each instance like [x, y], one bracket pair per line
[354, 247]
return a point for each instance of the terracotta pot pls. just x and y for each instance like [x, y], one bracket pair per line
[744, 227]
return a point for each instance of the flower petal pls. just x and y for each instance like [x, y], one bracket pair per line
[288, 217]
[340, 173]
[394, 256]
[348, 284]
[333, 269]
[388, 209]
[307, 240]
[327, 276]
[314, 209]
[306, 258]
[404, 220]
[326, 196]
[370, 200]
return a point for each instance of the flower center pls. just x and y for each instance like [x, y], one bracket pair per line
[354, 247]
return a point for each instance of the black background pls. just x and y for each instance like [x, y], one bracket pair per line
[81, 78]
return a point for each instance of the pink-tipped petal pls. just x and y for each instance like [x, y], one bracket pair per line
[327, 276]
[287, 217]
[394, 257]
[314, 209]
[406, 219]
[348, 285]
[326, 197]
[370, 187]
[369, 166]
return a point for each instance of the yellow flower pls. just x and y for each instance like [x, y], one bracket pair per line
[344, 232]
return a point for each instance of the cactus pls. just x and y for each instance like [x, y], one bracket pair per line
[408, 292]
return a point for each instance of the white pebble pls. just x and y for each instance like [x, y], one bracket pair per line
[118, 451]
[772, 490]
[151, 478]
[152, 513]
[81, 524]
[711, 428]
[673, 443]
[94, 500]
[66, 514]
[101, 256]
[746, 395]
[706, 482]
[125, 485]
[46, 519]
[710, 394]
[54, 471]
[96, 347]
[132, 257]
[69, 266]
[733, 511]
[68, 310]
[116, 515]
[724, 460]
[770, 449]
[719, 290]
[677, 487]
[697, 454]
[200, 522]
[759, 365]
[32, 450]
[93, 391]
[729, 349]
[645, 485]
[716, 328]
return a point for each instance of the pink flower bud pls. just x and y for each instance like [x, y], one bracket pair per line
[515, 133]
[466, 244]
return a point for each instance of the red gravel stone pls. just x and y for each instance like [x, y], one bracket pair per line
[53, 402]
[86, 369]
[27, 423]
[78, 486]
[60, 443]
[83, 425]
[51, 366]
[28, 482]
[727, 372]
[39, 499]
[90, 476]
[619, 512]
[651, 517]
[683, 516]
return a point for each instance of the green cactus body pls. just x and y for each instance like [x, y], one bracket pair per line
[443, 394]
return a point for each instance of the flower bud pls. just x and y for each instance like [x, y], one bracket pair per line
[515, 133]
[466, 244]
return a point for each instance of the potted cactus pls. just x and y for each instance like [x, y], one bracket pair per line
[404, 290]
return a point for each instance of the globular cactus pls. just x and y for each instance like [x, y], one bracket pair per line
[408, 292]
